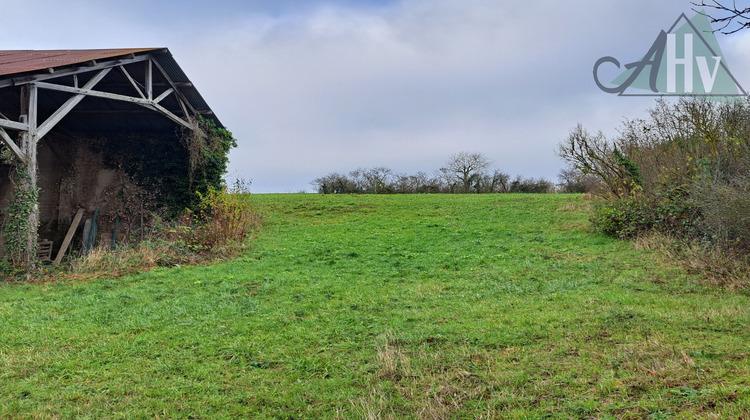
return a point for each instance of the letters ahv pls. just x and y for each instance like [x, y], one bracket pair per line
[664, 59]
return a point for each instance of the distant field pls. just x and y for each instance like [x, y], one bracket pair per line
[414, 306]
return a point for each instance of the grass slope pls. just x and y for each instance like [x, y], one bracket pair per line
[470, 306]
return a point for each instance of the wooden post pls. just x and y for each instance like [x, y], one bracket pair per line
[149, 80]
[86, 234]
[28, 183]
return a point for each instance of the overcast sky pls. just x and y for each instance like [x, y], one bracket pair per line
[314, 86]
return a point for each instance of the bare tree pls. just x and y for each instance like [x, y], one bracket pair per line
[497, 182]
[594, 155]
[378, 180]
[573, 180]
[727, 15]
[419, 183]
[465, 169]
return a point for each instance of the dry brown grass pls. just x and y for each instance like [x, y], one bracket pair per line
[437, 386]
[223, 232]
[716, 265]
[102, 262]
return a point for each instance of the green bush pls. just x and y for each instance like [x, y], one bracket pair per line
[683, 172]
[223, 219]
[630, 217]
[623, 218]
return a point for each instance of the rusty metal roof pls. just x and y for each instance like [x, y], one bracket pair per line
[23, 61]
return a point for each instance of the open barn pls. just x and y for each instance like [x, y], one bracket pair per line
[103, 135]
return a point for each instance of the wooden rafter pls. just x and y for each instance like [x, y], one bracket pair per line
[71, 71]
[132, 81]
[184, 104]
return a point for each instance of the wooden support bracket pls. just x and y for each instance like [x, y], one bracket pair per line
[12, 145]
[61, 112]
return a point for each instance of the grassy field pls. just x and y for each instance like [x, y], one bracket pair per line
[465, 306]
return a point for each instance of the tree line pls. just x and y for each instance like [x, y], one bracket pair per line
[463, 173]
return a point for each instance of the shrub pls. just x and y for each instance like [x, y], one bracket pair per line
[684, 172]
[530, 185]
[335, 183]
[632, 216]
[724, 206]
[575, 181]
[223, 219]
[624, 217]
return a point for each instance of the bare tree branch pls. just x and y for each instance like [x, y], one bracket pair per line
[727, 16]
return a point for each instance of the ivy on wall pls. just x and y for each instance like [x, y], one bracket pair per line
[176, 167]
[18, 212]
[208, 146]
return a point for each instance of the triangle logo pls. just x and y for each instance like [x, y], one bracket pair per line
[684, 61]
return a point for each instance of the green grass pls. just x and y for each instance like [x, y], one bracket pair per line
[465, 306]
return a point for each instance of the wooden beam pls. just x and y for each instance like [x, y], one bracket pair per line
[163, 95]
[69, 236]
[131, 80]
[32, 111]
[12, 145]
[184, 108]
[173, 117]
[94, 93]
[69, 105]
[174, 86]
[28, 183]
[14, 125]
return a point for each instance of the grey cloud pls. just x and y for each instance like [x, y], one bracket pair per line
[317, 86]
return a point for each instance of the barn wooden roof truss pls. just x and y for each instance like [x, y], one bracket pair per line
[141, 77]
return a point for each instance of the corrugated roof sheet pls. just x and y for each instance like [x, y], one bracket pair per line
[22, 61]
